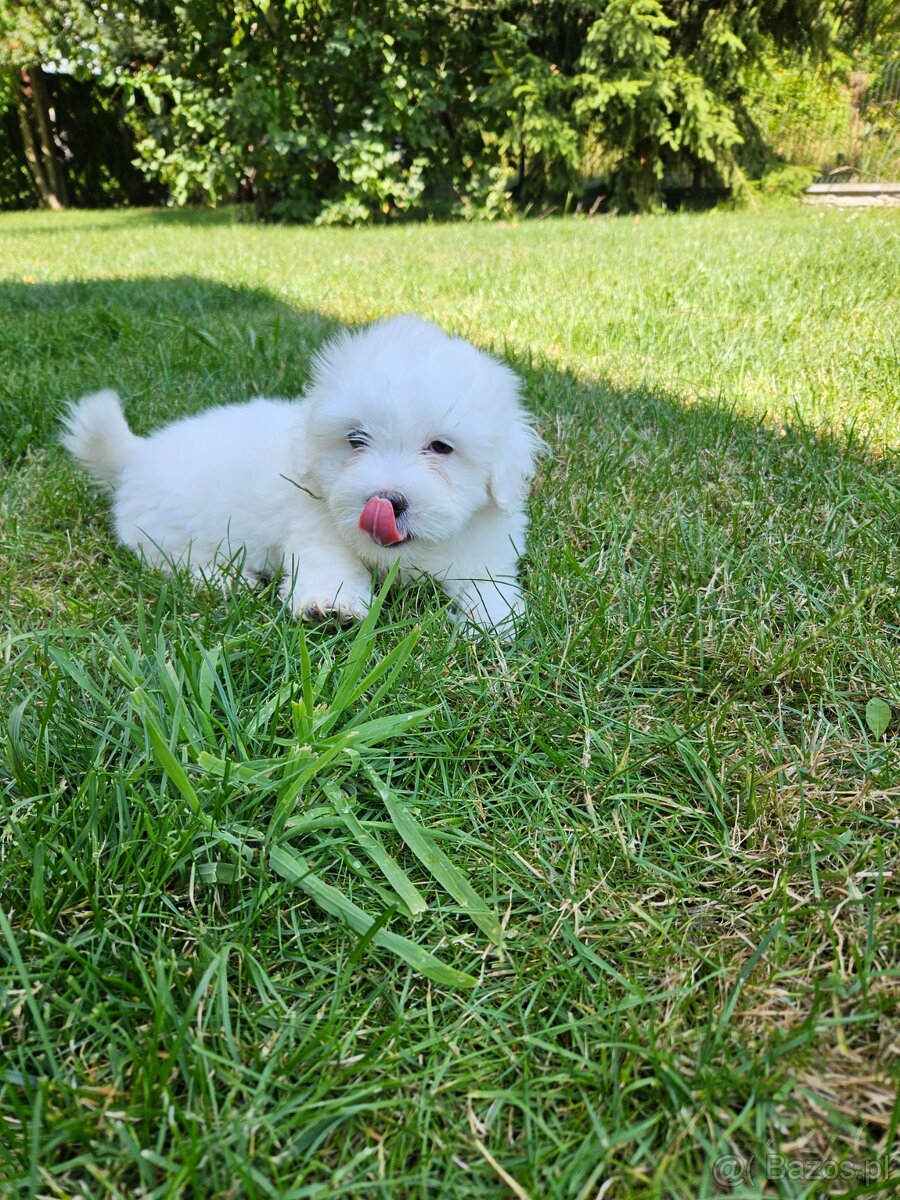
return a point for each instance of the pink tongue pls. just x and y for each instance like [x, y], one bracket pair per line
[377, 520]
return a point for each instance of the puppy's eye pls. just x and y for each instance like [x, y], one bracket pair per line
[439, 447]
[358, 439]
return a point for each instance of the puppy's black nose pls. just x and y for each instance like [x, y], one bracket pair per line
[399, 503]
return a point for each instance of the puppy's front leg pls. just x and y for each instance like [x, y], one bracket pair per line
[491, 604]
[322, 582]
[322, 577]
[481, 573]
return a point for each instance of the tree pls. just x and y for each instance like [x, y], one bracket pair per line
[661, 83]
[350, 111]
[59, 64]
[23, 85]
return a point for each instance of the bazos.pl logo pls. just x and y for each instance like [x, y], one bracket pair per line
[731, 1169]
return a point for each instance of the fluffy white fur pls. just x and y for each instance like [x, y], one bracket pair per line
[276, 486]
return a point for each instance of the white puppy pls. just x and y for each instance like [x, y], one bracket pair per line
[409, 444]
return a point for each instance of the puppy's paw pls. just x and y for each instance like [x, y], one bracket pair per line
[321, 610]
[340, 608]
[478, 624]
[490, 611]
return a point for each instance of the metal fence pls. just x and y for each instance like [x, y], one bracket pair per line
[877, 132]
[871, 153]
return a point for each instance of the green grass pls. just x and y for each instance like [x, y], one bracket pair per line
[666, 793]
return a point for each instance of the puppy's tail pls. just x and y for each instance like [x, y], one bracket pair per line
[97, 434]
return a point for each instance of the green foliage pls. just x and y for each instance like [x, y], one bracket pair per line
[533, 143]
[868, 27]
[90, 136]
[647, 102]
[799, 110]
[879, 127]
[302, 758]
[332, 116]
[784, 182]
[344, 113]
[878, 716]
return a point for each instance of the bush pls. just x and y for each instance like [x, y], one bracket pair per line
[344, 112]
[800, 110]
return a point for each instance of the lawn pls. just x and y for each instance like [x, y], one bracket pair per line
[674, 801]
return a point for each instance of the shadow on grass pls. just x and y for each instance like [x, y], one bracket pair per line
[170, 345]
[686, 486]
[635, 478]
[70, 221]
[644, 500]
[61, 340]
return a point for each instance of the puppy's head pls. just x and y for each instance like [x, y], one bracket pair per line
[410, 433]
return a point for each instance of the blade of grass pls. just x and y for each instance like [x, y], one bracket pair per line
[355, 663]
[387, 669]
[294, 868]
[392, 871]
[431, 856]
[166, 760]
[379, 728]
[29, 990]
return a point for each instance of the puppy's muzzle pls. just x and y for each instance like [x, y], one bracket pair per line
[379, 518]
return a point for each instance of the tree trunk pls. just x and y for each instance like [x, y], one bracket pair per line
[40, 151]
[31, 156]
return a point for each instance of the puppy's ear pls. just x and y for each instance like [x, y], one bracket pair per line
[515, 459]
